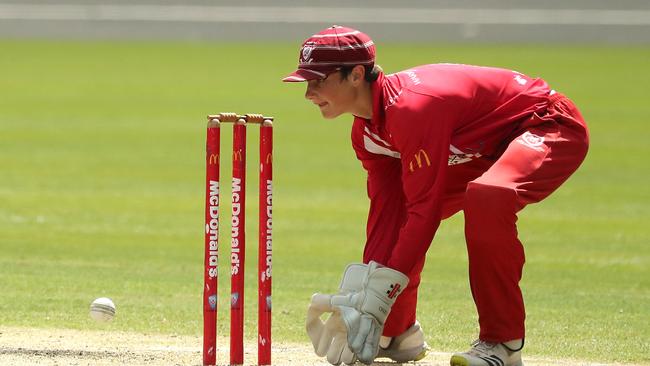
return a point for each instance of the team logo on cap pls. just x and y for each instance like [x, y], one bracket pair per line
[305, 54]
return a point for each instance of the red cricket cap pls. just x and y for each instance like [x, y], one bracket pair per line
[331, 48]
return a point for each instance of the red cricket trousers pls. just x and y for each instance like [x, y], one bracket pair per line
[543, 153]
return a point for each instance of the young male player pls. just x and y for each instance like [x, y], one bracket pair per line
[434, 140]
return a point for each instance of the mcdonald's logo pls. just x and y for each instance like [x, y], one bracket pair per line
[237, 155]
[419, 158]
[213, 159]
[269, 158]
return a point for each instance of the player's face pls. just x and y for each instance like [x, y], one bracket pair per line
[334, 94]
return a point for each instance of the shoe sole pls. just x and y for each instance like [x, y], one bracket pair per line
[417, 357]
[458, 361]
[421, 355]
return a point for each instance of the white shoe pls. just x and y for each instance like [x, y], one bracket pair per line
[488, 354]
[408, 346]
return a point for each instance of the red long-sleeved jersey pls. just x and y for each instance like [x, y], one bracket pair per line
[425, 119]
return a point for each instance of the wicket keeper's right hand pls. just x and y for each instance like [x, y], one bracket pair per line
[365, 311]
[331, 338]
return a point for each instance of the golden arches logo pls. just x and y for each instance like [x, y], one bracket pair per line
[269, 158]
[213, 159]
[419, 157]
[238, 155]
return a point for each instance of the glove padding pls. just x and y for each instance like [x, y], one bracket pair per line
[329, 338]
[365, 311]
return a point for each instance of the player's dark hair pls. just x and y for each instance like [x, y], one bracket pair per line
[371, 74]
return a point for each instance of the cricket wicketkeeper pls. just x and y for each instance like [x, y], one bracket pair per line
[434, 140]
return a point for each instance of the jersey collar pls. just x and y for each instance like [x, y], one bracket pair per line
[377, 88]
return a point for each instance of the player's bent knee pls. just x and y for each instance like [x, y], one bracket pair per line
[489, 197]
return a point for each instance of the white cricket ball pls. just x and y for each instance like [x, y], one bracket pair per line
[102, 309]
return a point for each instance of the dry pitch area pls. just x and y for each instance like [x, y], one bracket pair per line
[31, 346]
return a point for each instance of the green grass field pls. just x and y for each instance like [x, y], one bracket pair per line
[102, 174]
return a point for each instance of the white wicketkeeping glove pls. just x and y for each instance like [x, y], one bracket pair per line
[365, 311]
[330, 337]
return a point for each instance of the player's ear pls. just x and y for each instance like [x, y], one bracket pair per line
[358, 73]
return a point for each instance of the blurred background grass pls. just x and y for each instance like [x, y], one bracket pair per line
[101, 193]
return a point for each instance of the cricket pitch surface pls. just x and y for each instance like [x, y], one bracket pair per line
[33, 346]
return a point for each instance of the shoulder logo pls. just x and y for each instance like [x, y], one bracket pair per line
[520, 79]
[413, 76]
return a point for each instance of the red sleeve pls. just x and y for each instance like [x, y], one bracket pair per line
[387, 209]
[421, 133]
[387, 204]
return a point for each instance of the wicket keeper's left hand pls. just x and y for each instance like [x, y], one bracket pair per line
[364, 311]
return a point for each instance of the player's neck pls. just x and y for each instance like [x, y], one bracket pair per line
[363, 103]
